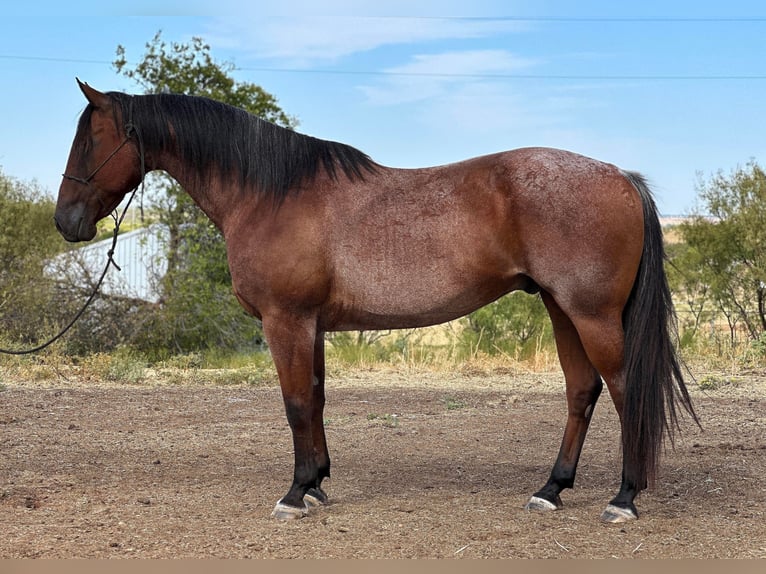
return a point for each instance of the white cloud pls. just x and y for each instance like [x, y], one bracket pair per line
[428, 76]
[472, 62]
[305, 40]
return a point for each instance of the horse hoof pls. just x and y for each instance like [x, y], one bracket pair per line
[540, 504]
[284, 511]
[617, 515]
[315, 497]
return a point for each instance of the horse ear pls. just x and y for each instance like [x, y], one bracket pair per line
[96, 98]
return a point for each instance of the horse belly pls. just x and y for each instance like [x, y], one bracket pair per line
[410, 291]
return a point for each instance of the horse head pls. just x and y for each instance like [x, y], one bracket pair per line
[104, 165]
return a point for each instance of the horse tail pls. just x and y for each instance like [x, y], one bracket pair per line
[654, 383]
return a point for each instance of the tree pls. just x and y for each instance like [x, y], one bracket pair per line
[690, 287]
[728, 247]
[199, 308]
[27, 238]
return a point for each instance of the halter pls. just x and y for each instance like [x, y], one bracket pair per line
[86, 180]
[129, 128]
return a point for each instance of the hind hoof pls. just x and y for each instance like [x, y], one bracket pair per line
[315, 497]
[617, 515]
[541, 505]
[284, 511]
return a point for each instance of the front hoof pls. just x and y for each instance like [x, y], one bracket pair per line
[618, 515]
[284, 511]
[542, 505]
[315, 497]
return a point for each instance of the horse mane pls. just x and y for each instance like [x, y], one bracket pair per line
[213, 137]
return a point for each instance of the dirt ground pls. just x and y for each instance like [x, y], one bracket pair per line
[424, 465]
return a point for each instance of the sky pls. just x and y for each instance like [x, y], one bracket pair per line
[675, 90]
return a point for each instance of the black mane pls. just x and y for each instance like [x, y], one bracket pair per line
[212, 137]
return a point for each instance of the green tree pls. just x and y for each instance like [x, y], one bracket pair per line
[691, 289]
[199, 309]
[727, 247]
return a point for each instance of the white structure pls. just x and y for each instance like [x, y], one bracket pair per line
[139, 253]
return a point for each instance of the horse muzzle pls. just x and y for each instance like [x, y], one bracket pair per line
[74, 226]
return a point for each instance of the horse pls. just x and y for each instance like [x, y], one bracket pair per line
[321, 238]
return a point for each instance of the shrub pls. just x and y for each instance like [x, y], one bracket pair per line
[516, 325]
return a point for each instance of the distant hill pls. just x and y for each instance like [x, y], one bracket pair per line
[670, 220]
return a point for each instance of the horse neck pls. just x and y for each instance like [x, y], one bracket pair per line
[211, 193]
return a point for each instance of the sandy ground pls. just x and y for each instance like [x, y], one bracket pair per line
[424, 465]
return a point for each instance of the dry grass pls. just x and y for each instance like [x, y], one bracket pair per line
[429, 355]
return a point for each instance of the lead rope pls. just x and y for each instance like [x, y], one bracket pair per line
[129, 127]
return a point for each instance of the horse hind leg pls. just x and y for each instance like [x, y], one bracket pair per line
[583, 387]
[603, 339]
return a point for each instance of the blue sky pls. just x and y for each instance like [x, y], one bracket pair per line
[671, 89]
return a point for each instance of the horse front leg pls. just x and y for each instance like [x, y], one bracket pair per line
[292, 341]
[315, 495]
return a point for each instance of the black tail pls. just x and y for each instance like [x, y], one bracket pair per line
[654, 383]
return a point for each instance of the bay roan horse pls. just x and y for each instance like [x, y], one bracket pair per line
[321, 238]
